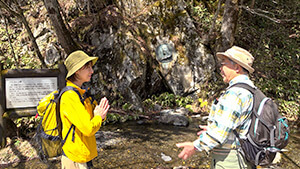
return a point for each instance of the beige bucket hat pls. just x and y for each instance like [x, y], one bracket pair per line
[239, 56]
[76, 60]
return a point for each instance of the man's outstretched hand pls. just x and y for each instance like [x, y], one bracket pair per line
[188, 150]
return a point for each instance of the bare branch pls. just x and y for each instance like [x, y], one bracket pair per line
[256, 12]
[5, 6]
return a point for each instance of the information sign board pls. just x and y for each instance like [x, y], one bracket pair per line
[26, 92]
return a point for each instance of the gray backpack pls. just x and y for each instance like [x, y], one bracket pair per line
[268, 132]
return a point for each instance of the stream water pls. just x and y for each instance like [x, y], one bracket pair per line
[152, 145]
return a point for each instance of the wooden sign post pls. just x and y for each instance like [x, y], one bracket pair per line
[2, 136]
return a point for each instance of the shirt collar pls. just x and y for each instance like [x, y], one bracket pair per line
[241, 79]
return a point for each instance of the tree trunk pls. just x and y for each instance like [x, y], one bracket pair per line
[63, 34]
[2, 134]
[211, 35]
[230, 18]
[252, 4]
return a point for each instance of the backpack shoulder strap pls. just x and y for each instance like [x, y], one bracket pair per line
[256, 109]
[250, 89]
[66, 88]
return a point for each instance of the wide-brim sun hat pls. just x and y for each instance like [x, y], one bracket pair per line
[239, 56]
[76, 60]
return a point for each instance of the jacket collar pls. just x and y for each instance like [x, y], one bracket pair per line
[81, 91]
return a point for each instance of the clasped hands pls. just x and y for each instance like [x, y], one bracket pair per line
[102, 108]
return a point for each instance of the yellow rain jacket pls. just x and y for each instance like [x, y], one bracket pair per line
[72, 111]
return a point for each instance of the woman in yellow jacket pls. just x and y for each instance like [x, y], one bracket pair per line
[80, 145]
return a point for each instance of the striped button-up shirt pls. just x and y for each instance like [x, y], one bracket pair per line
[231, 111]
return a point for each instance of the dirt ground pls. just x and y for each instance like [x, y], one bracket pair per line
[21, 153]
[16, 151]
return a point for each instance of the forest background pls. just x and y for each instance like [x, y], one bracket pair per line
[270, 30]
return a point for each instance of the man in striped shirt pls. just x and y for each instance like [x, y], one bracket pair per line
[231, 111]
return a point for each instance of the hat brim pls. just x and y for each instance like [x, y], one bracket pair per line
[223, 54]
[80, 64]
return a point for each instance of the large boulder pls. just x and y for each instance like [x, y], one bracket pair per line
[177, 117]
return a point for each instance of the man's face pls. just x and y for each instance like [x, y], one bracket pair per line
[228, 69]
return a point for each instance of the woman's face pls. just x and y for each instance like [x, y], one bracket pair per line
[84, 74]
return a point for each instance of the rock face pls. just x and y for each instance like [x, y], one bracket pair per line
[144, 48]
[128, 48]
